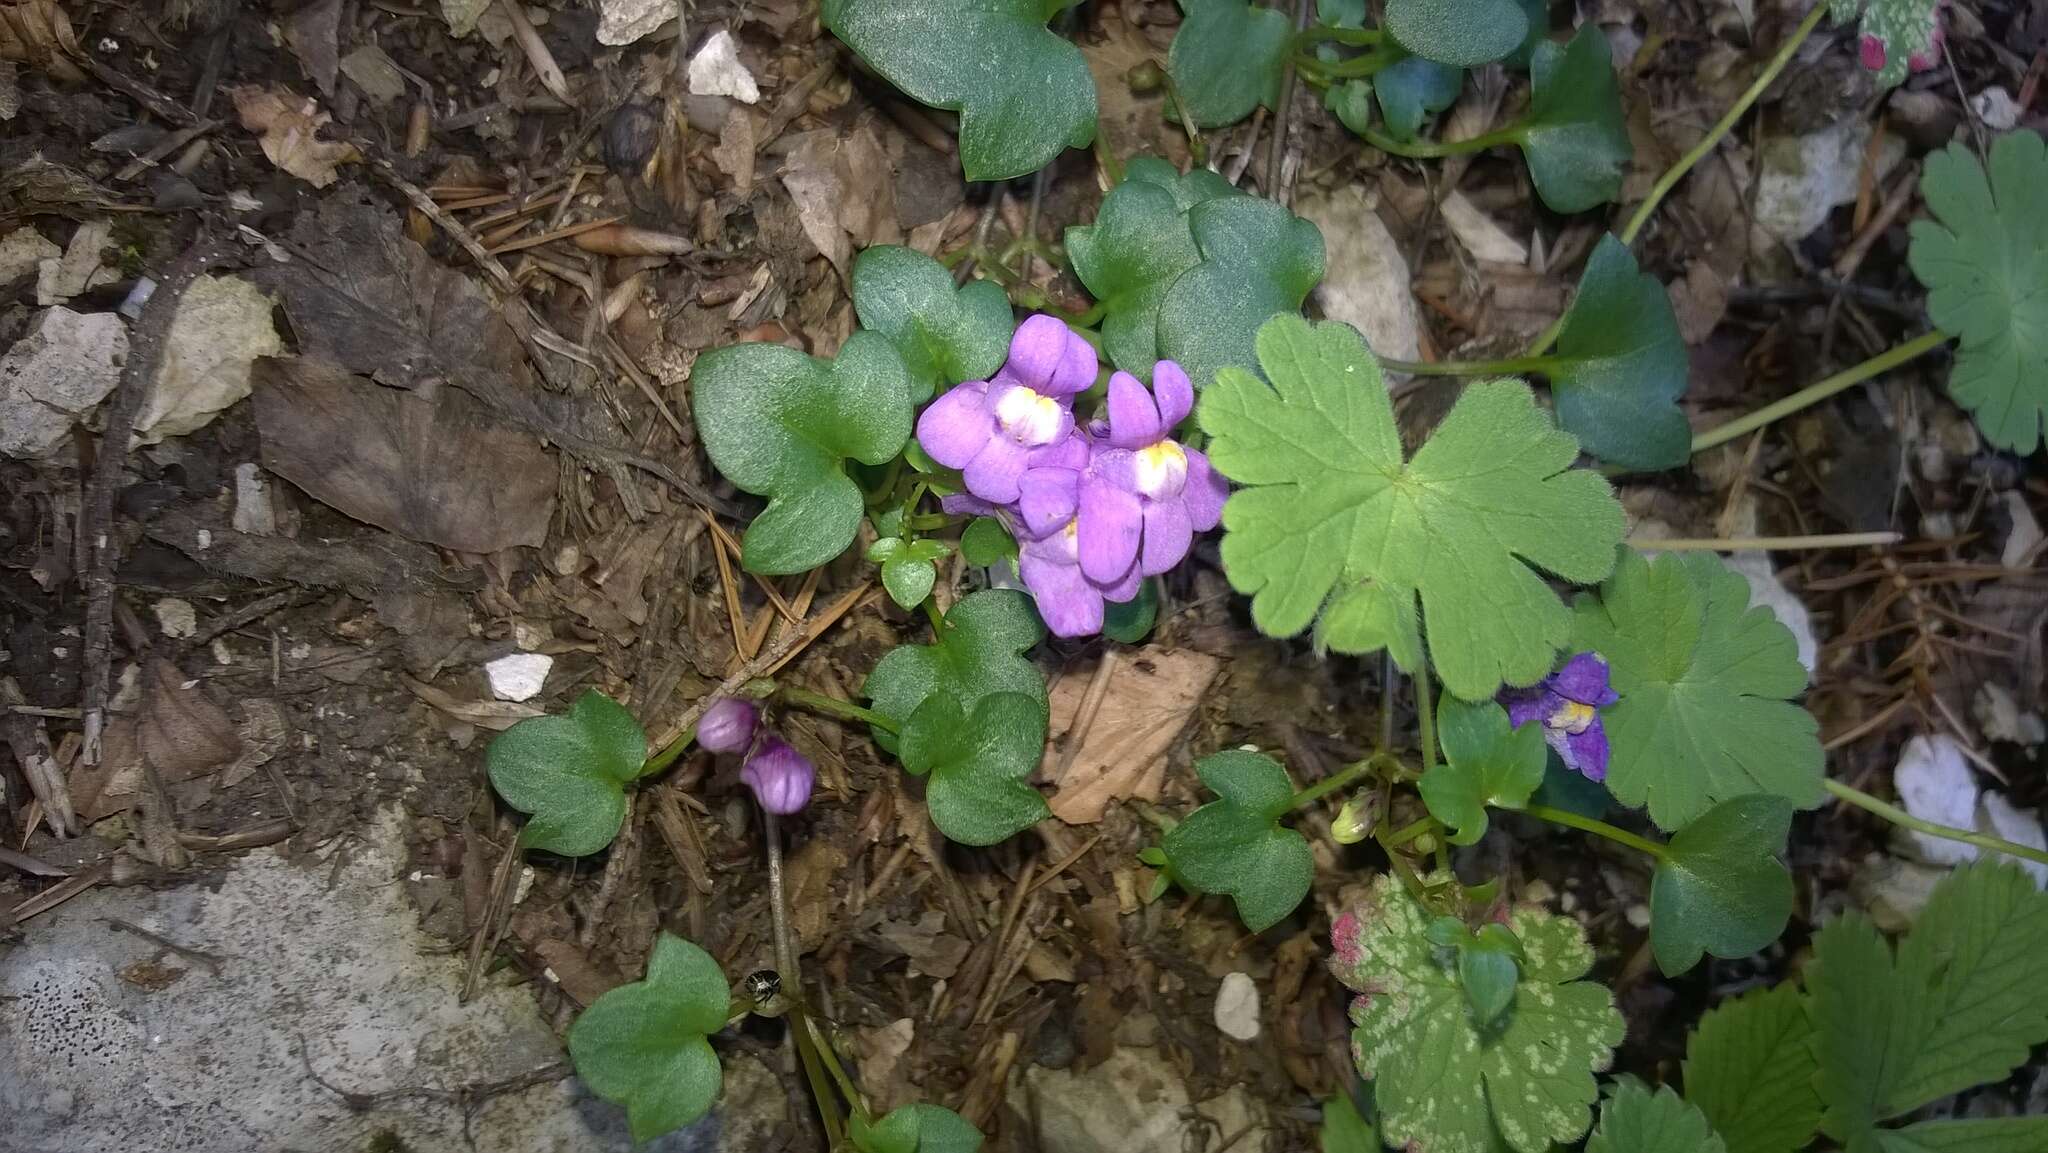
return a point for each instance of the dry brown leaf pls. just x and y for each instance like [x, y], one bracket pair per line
[1700, 301]
[583, 979]
[37, 33]
[878, 1054]
[178, 730]
[1151, 695]
[288, 128]
[494, 715]
[812, 174]
[934, 952]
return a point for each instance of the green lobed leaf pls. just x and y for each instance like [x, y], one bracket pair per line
[1749, 1066]
[1705, 682]
[1489, 977]
[1958, 1005]
[1721, 888]
[1258, 261]
[1351, 102]
[1486, 763]
[1467, 33]
[916, 1128]
[908, 580]
[1412, 90]
[944, 334]
[1621, 365]
[1441, 1082]
[1129, 622]
[1980, 1135]
[985, 542]
[780, 424]
[1574, 138]
[1344, 1130]
[642, 1045]
[1236, 845]
[978, 764]
[1905, 27]
[1984, 259]
[1636, 1120]
[1537, 12]
[1024, 94]
[1227, 59]
[1327, 506]
[975, 654]
[570, 772]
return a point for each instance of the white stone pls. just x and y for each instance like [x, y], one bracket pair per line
[2025, 534]
[1803, 178]
[518, 676]
[1237, 1007]
[716, 71]
[1367, 286]
[222, 325]
[22, 252]
[1134, 1102]
[1996, 108]
[53, 376]
[176, 617]
[1766, 589]
[254, 513]
[1483, 238]
[1998, 817]
[625, 21]
[1935, 784]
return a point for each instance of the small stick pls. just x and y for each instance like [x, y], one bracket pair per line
[211, 960]
[1084, 717]
[557, 234]
[537, 54]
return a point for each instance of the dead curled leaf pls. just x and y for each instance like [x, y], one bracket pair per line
[179, 731]
[288, 126]
[37, 33]
[1151, 695]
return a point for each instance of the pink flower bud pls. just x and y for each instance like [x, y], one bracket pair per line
[780, 776]
[728, 725]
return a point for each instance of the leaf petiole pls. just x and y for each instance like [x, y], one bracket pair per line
[1414, 830]
[1514, 366]
[1319, 33]
[1330, 784]
[834, 707]
[1370, 64]
[1599, 829]
[1906, 820]
[1437, 149]
[1813, 394]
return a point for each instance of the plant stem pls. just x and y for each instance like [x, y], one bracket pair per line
[1408, 832]
[1906, 820]
[1196, 149]
[1317, 33]
[1514, 366]
[1435, 149]
[1573, 820]
[1330, 784]
[834, 707]
[668, 753]
[1700, 151]
[1772, 543]
[1425, 715]
[1370, 64]
[1815, 393]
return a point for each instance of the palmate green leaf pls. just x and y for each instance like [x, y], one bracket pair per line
[1981, 1135]
[916, 1129]
[781, 424]
[1328, 508]
[1227, 59]
[977, 764]
[1440, 1081]
[1905, 27]
[1412, 90]
[1749, 1066]
[1237, 846]
[1620, 365]
[1721, 889]
[1486, 763]
[1706, 683]
[1258, 260]
[642, 1045]
[570, 772]
[975, 654]
[1467, 33]
[1958, 1006]
[1984, 260]
[944, 334]
[1636, 1120]
[1138, 246]
[1024, 94]
[1344, 1131]
[1574, 139]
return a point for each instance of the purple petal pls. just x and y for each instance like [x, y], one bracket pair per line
[1070, 606]
[1525, 705]
[957, 425]
[727, 726]
[1047, 499]
[1168, 533]
[1123, 590]
[1111, 523]
[1117, 467]
[1205, 492]
[1133, 418]
[966, 504]
[1584, 679]
[1070, 452]
[1036, 351]
[780, 777]
[1174, 392]
[1077, 369]
[994, 472]
[1586, 752]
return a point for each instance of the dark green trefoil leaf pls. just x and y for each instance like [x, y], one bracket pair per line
[1237, 846]
[1412, 90]
[570, 772]
[1720, 888]
[1621, 365]
[977, 764]
[976, 653]
[944, 334]
[1227, 59]
[916, 1129]
[1575, 138]
[1258, 261]
[643, 1045]
[1486, 763]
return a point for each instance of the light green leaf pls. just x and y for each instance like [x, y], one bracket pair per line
[974, 655]
[1467, 33]
[908, 580]
[1442, 1082]
[780, 424]
[1486, 763]
[978, 764]
[1984, 260]
[944, 335]
[571, 773]
[1721, 888]
[1636, 1120]
[642, 1045]
[1574, 139]
[1024, 94]
[1981, 1135]
[1258, 261]
[1620, 365]
[1327, 505]
[917, 1129]
[1344, 1131]
[1236, 845]
[1227, 59]
[985, 542]
[1706, 683]
[1749, 1066]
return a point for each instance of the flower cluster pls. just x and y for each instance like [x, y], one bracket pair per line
[1097, 508]
[1568, 703]
[781, 778]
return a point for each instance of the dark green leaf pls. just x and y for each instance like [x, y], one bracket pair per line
[1024, 94]
[1620, 365]
[1258, 261]
[1412, 90]
[978, 764]
[1341, 13]
[642, 1045]
[1721, 889]
[1139, 244]
[1467, 33]
[1574, 138]
[1351, 102]
[1636, 1120]
[985, 542]
[571, 773]
[1572, 791]
[1227, 59]
[1537, 13]
[908, 579]
[1749, 1067]
[1486, 763]
[1128, 622]
[975, 654]
[1981, 1135]
[1236, 845]
[1489, 979]
[944, 335]
[1344, 1131]
[917, 1129]
[781, 424]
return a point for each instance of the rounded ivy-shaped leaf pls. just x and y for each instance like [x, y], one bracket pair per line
[916, 1129]
[1228, 58]
[781, 424]
[1138, 246]
[1411, 90]
[978, 651]
[1237, 846]
[1258, 261]
[1487, 763]
[1467, 33]
[570, 772]
[1621, 366]
[944, 334]
[643, 1045]
[1575, 138]
[1720, 888]
[977, 765]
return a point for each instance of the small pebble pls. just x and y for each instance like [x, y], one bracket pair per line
[177, 618]
[1237, 1007]
[518, 676]
[1639, 916]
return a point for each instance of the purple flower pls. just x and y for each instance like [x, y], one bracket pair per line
[1567, 702]
[1070, 603]
[727, 726]
[780, 776]
[1145, 496]
[993, 431]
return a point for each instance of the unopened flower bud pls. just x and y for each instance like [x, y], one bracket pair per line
[780, 776]
[1356, 820]
[728, 725]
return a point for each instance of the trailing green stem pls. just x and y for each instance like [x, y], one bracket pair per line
[1370, 64]
[834, 707]
[1513, 366]
[1437, 149]
[1330, 784]
[1813, 394]
[1573, 820]
[1906, 820]
[1425, 714]
[1318, 33]
[1409, 832]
